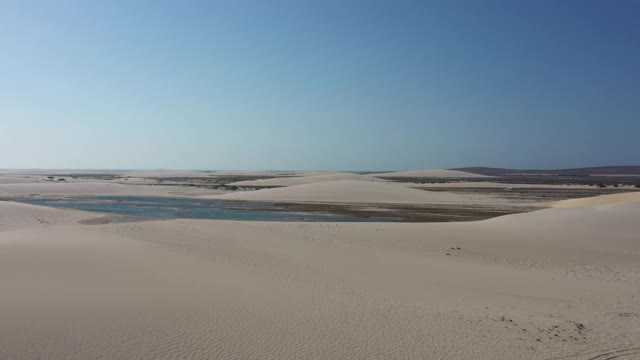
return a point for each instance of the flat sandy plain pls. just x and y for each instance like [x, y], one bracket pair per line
[562, 282]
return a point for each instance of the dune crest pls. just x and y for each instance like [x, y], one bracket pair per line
[353, 191]
[597, 200]
[307, 179]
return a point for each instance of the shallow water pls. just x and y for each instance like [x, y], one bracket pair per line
[187, 208]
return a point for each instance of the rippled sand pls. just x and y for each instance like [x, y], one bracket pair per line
[541, 285]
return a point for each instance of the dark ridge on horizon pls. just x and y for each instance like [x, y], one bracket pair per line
[586, 171]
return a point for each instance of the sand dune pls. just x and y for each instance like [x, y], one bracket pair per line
[349, 191]
[307, 179]
[557, 283]
[436, 173]
[16, 215]
[597, 200]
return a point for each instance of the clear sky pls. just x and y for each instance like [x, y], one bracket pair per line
[319, 84]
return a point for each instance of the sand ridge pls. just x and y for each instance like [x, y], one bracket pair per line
[18, 215]
[306, 179]
[348, 191]
[597, 200]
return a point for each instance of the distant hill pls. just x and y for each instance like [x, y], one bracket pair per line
[428, 173]
[600, 170]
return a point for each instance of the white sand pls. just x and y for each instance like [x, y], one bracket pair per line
[350, 191]
[435, 173]
[597, 200]
[16, 215]
[307, 179]
[186, 289]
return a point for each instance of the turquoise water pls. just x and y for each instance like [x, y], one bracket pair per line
[186, 208]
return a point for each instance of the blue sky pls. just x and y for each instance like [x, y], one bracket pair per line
[331, 84]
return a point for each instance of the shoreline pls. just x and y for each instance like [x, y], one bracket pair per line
[404, 213]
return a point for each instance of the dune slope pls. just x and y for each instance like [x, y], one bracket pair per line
[557, 283]
[597, 200]
[17, 215]
[307, 179]
[347, 191]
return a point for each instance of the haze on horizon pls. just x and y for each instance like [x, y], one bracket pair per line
[336, 85]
